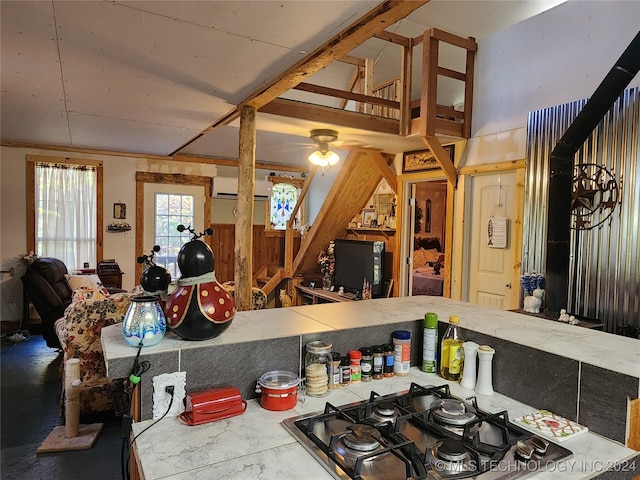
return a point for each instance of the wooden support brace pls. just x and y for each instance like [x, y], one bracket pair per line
[442, 157]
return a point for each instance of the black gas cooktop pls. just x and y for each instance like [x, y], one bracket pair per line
[423, 433]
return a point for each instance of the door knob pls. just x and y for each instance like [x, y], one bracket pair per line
[508, 285]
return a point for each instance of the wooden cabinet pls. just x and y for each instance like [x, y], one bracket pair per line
[111, 279]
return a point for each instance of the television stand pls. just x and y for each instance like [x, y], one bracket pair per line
[311, 296]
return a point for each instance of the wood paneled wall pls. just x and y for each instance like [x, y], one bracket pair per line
[268, 250]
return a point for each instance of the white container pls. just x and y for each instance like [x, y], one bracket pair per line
[402, 347]
[469, 372]
[485, 381]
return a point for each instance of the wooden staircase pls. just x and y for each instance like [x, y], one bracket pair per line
[358, 178]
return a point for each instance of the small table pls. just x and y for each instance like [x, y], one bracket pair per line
[317, 295]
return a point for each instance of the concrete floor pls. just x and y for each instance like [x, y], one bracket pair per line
[29, 412]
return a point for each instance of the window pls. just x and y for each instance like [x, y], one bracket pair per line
[66, 211]
[282, 203]
[172, 210]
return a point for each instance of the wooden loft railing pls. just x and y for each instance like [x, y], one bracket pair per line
[395, 113]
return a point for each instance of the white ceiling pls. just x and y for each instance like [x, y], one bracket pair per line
[148, 76]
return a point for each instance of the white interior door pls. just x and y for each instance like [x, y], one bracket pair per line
[491, 267]
[165, 207]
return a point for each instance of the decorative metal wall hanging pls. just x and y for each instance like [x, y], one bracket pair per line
[594, 197]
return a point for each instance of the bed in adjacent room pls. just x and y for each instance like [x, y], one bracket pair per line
[428, 265]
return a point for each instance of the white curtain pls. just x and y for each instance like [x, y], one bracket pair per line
[66, 201]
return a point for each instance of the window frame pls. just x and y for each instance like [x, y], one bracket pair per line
[31, 162]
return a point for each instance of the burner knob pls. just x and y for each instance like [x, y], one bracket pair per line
[540, 445]
[523, 451]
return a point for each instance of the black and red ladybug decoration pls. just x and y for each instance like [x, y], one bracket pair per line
[200, 307]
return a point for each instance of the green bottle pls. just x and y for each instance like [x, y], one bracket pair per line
[430, 343]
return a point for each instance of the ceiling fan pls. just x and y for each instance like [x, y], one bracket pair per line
[323, 156]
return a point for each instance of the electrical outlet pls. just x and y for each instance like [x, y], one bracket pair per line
[162, 399]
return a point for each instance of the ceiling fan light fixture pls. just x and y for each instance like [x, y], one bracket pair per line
[324, 159]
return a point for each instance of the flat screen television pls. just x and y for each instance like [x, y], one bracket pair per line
[356, 260]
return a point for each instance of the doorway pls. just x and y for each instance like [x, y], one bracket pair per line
[426, 238]
[147, 185]
[493, 240]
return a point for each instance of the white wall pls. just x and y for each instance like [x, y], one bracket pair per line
[558, 56]
[119, 186]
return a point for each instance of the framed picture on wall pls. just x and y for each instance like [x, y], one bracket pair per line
[119, 210]
[369, 215]
[422, 160]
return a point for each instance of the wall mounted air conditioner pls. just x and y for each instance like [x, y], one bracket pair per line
[227, 187]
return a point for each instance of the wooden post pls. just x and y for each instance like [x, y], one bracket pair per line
[243, 270]
[405, 90]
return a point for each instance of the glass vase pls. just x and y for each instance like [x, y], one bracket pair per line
[144, 322]
[326, 281]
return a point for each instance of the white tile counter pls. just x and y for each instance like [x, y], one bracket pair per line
[255, 445]
[574, 371]
[613, 352]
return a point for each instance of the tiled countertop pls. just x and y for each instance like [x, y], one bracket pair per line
[613, 352]
[255, 445]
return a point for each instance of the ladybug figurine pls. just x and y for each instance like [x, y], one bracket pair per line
[200, 307]
[155, 279]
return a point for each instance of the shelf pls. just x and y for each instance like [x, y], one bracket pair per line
[386, 232]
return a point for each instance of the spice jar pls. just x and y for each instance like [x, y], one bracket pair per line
[389, 360]
[335, 374]
[378, 362]
[345, 368]
[366, 364]
[355, 356]
[316, 364]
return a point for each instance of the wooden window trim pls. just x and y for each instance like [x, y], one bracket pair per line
[32, 160]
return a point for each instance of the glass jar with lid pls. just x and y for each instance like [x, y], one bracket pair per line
[317, 361]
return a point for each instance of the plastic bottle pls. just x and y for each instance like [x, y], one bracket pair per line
[451, 352]
[355, 356]
[430, 343]
[366, 364]
[378, 362]
[402, 347]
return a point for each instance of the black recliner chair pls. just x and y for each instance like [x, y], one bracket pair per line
[50, 293]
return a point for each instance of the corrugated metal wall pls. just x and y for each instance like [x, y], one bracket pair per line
[605, 266]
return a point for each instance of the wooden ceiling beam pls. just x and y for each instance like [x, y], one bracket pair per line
[394, 38]
[319, 113]
[375, 21]
[230, 162]
[359, 62]
[382, 164]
